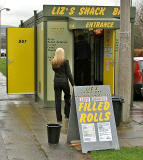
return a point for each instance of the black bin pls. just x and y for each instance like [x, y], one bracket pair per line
[53, 131]
[117, 107]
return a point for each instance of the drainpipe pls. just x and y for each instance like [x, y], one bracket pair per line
[35, 55]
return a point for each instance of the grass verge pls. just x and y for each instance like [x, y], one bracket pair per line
[125, 153]
[3, 65]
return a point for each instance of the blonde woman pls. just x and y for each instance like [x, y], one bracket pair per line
[62, 71]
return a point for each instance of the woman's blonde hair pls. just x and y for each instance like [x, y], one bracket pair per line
[59, 58]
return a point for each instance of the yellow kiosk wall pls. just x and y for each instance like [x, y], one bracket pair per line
[109, 56]
[20, 60]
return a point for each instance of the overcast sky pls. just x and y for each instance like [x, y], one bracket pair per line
[23, 9]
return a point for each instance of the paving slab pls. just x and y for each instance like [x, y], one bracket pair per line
[3, 152]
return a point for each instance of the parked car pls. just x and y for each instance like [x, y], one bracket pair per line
[138, 76]
[3, 53]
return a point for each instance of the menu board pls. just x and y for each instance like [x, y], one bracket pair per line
[92, 113]
[58, 37]
[53, 44]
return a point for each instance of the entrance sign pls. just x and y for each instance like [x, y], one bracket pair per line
[89, 23]
[92, 113]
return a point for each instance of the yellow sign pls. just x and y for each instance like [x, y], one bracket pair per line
[116, 11]
[93, 116]
[20, 60]
[82, 11]
[99, 24]
[92, 11]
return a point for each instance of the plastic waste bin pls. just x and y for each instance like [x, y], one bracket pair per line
[53, 131]
[117, 107]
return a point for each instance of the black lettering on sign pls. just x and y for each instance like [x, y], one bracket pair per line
[22, 41]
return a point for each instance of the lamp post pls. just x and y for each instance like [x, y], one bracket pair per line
[1, 9]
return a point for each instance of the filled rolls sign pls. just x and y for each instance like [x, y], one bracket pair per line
[92, 118]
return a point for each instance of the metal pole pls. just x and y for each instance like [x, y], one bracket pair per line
[21, 23]
[35, 51]
[125, 58]
[0, 33]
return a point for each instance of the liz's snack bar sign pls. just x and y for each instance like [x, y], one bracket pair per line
[80, 11]
[95, 116]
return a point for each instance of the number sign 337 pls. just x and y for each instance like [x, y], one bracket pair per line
[22, 41]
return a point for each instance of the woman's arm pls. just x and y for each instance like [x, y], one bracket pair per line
[68, 73]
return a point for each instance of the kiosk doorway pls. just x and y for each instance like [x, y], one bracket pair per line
[88, 57]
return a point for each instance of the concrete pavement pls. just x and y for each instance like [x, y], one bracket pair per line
[23, 132]
[131, 134]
